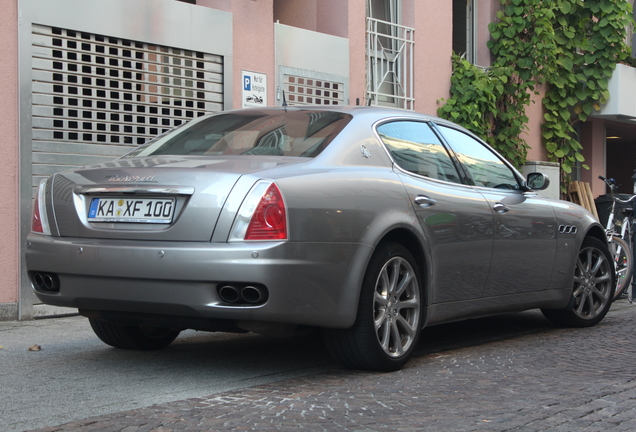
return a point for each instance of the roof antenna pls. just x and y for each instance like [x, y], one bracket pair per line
[369, 100]
[284, 101]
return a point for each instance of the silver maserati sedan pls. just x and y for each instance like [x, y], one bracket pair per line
[366, 224]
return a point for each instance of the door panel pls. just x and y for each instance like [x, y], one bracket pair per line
[524, 225]
[459, 224]
[525, 243]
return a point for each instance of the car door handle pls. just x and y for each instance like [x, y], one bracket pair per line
[500, 208]
[424, 201]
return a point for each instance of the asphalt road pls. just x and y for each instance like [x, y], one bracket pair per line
[511, 372]
[75, 376]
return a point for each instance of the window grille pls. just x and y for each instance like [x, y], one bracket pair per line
[390, 64]
[301, 90]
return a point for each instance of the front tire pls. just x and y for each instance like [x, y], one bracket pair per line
[389, 317]
[594, 283]
[133, 337]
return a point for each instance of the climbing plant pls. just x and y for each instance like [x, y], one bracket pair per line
[590, 38]
[571, 46]
[523, 47]
[473, 98]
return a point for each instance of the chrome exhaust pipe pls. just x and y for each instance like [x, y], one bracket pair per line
[38, 280]
[252, 294]
[49, 282]
[229, 294]
[45, 282]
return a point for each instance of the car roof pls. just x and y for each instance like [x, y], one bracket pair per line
[353, 110]
[370, 112]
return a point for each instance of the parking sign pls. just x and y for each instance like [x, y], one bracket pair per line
[254, 89]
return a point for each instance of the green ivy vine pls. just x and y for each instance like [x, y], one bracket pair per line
[572, 46]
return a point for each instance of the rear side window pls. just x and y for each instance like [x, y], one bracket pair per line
[484, 167]
[272, 133]
[415, 148]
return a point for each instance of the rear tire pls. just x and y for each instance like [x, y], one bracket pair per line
[133, 337]
[593, 291]
[389, 318]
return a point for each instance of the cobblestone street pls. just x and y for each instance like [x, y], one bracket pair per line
[512, 372]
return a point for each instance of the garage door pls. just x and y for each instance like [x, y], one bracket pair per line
[96, 97]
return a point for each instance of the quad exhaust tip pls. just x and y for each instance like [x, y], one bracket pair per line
[47, 282]
[243, 294]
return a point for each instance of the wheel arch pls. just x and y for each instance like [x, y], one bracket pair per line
[598, 232]
[416, 246]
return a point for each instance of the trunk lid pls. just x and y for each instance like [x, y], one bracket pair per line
[168, 198]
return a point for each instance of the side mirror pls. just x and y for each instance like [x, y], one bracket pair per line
[537, 181]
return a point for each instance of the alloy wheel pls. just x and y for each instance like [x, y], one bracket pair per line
[396, 307]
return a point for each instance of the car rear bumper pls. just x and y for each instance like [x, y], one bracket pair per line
[313, 284]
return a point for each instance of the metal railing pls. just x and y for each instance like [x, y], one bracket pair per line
[390, 64]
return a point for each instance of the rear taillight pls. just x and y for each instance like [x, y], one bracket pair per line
[263, 215]
[39, 221]
[269, 221]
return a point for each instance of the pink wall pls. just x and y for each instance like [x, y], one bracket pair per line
[433, 48]
[333, 16]
[253, 41]
[357, 50]
[297, 14]
[224, 5]
[253, 44]
[486, 13]
[9, 201]
[537, 151]
[324, 16]
[593, 141]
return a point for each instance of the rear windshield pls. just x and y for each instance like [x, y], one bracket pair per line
[273, 133]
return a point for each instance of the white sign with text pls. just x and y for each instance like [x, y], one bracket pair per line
[254, 89]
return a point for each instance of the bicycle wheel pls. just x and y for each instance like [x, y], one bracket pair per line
[623, 263]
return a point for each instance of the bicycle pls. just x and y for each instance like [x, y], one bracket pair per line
[619, 238]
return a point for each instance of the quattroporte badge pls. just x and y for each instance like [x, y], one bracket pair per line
[137, 179]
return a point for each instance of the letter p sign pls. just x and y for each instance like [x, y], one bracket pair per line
[247, 82]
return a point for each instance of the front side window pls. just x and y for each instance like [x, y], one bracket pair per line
[271, 133]
[415, 148]
[483, 166]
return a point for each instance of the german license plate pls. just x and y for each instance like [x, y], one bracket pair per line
[136, 210]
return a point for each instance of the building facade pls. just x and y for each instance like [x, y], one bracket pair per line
[84, 82]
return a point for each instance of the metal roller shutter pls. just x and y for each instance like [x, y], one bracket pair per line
[96, 97]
